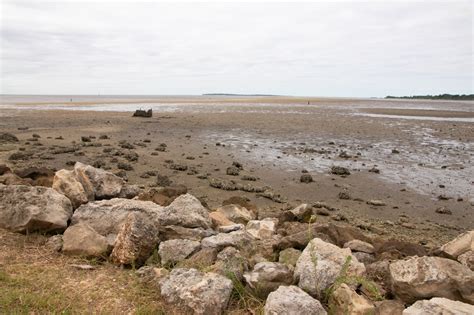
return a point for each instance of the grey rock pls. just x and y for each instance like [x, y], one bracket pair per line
[97, 183]
[439, 306]
[291, 300]
[65, 182]
[82, 240]
[197, 292]
[33, 208]
[418, 278]
[267, 277]
[174, 251]
[321, 263]
[136, 240]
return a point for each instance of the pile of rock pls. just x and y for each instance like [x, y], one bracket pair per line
[197, 257]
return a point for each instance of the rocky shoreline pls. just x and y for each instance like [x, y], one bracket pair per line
[201, 259]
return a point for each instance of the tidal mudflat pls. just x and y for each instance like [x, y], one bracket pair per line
[415, 157]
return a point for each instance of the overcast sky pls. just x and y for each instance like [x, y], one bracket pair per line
[332, 48]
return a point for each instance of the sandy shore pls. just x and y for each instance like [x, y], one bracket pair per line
[275, 139]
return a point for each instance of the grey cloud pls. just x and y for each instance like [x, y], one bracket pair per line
[324, 48]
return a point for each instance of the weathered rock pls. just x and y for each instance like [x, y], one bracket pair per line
[321, 263]
[467, 259]
[231, 263]
[236, 213]
[241, 201]
[339, 170]
[237, 239]
[376, 203]
[459, 245]
[395, 249]
[4, 169]
[291, 300]
[267, 277]
[12, 179]
[186, 211]
[219, 219]
[97, 183]
[108, 216]
[230, 228]
[364, 257]
[201, 259]
[174, 251]
[262, 229]
[129, 191]
[439, 306]
[389, 307]
[172, 232]
[289, 256]
[40, 176]
[7, 137]
[54, 243]
[233, 171]
[197, 292]
[303, 212]
[163, 196]
[344, 300]
[360, 246]
[379, 272]
[65, 182]
[151, 275]
[418, 278]
[82, 240]
[136, 240]
[28, 209]
[306, 178]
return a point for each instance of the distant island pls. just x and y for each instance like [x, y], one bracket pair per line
[455, 97]
[233, 94]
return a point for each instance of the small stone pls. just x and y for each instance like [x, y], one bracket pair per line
[306, 178]
[291, 300]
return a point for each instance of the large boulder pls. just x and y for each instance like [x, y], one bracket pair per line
[171, 232]
[108, 216]
[344, 300]
[239, 239]
[267, 277]
[196, 292]
[321, 263]
[419, 278]
[458, 246]
[289, 256]
[174, 251]
[136, 240]
[231, 263]
[97, 183]
[291, 300]
[439, 306]
[467, 259]
[262, 229]
[82, 240]
[65, 182]
[236, 213]
[27, 209]
[360, 246]
[186, 211]
[39, 176]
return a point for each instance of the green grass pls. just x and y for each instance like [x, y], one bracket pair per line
[23, 296]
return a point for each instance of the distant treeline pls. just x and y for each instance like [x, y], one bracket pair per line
[231, 94]
[456, 97]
